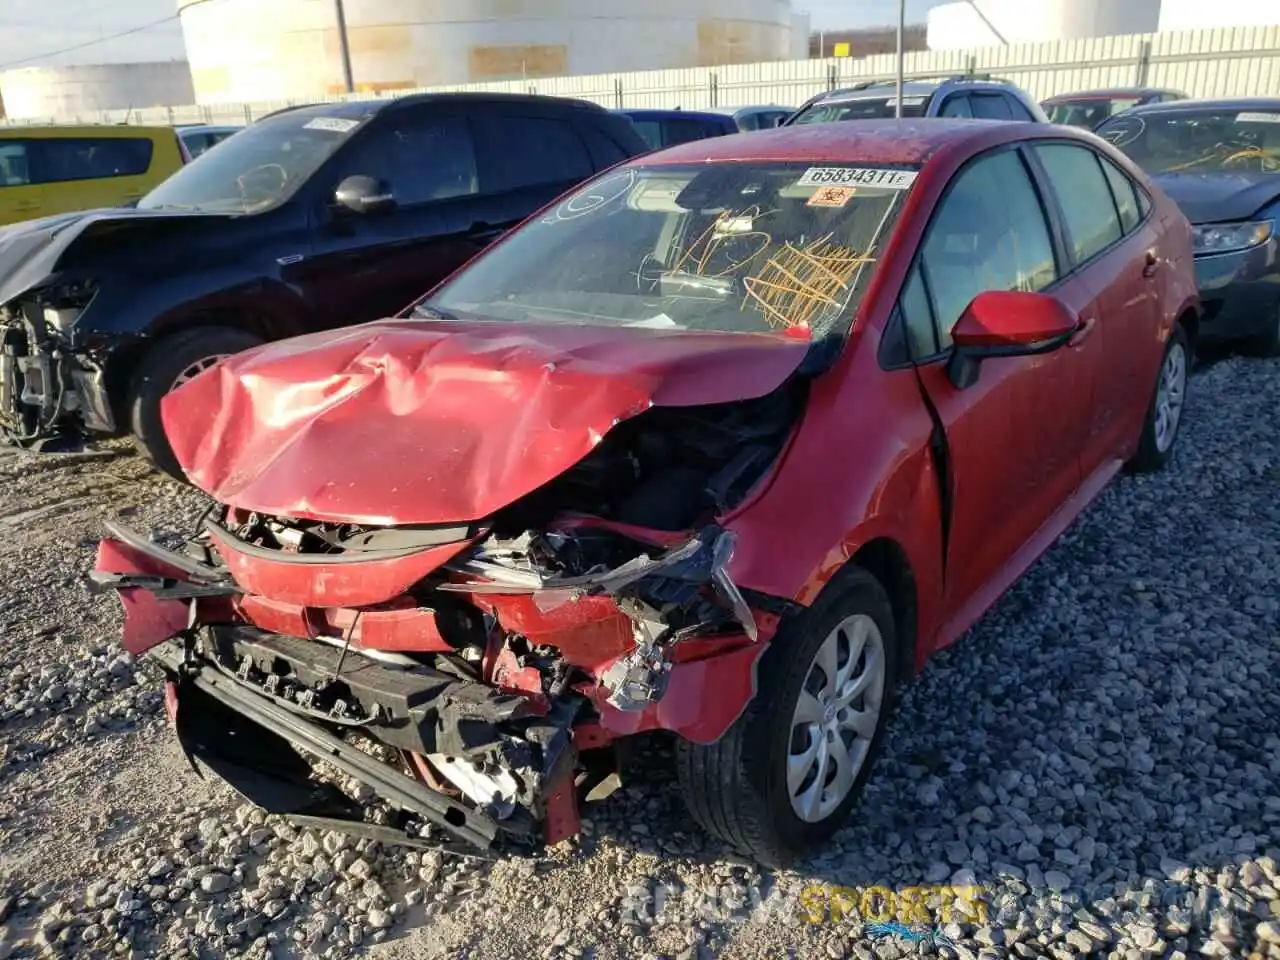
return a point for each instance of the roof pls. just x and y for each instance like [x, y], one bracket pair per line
[1107, 93]
[912, 88]
[869, 141]
[656, 113]
[361, 109]
[1270, 104]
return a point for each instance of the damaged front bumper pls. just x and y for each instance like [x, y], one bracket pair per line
[51, 392]
[482, 703]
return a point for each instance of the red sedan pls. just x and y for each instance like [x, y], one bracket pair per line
[725, 443]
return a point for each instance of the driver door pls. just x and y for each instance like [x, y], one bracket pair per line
[367, 267]
[1014, 438]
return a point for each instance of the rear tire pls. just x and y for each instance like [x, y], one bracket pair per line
[749, 788]
[167, 364]
[1163, 423]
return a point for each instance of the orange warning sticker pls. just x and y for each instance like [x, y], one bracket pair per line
[831, 196]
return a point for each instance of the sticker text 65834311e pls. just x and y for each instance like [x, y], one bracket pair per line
[857, 176]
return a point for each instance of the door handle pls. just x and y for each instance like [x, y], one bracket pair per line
[1151, 263]
[1083, 332]
[485, 232]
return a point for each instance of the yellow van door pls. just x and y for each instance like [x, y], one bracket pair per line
[20, 198]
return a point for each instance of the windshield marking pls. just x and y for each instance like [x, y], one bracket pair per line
[1255, 117]
[796, 283]
[332, 124]
[599, 195]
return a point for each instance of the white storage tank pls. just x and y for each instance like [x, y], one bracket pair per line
[64, 92]
[1199, 15]
[987, 23]
[282, 49]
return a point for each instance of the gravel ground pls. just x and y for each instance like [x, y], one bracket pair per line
[1101, 756]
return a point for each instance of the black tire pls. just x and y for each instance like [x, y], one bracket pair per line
[1267, 343]
[736, 788]
[156, 375]
[1150, 457]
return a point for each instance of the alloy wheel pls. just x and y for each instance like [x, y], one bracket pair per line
[836, 717]
[1170, 395]
[199, 366]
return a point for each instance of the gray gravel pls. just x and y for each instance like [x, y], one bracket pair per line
[1101, 755]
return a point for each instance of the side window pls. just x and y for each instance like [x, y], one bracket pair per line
[533, 152]
[991, 106]
[14, 170]
[917, 317]
[605, 150]
[422, 157]
[683, 131]
[87, 158]
[650, 132]
[1093, 223]
[1125, 193]
[956, 105]
[988, 233]
[752, 121]
[1020, 112]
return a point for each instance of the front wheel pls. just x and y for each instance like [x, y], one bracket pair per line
[1164, 415]
[785, 776]
[169, 364]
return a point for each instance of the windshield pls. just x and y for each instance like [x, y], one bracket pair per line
[1088, 113]
[745, 247]
[257, 169]
[1199, 141]
[862, 108]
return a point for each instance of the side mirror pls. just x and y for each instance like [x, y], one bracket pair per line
[1007, 323]
[363, 195]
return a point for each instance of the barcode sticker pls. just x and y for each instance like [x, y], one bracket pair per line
[332, 124]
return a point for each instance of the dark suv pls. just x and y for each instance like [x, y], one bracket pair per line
[982, 98]
[313, 217]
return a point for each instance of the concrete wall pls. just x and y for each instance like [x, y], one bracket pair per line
[956, 26]
[277, 49]
[59, 91]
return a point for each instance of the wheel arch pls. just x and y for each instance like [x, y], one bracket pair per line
[125, 364]
[886, 560]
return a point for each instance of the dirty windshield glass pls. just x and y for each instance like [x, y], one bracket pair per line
[728, 246]
[862, 108]
[259, 168]
[1199, 141]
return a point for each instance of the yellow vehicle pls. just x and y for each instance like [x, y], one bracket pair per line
[56, 169]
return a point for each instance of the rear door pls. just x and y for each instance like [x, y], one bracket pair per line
[1113, 250]
[1013, 437]
[21, 198]
[84, 173]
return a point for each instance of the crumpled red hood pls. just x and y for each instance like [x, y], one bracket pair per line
[406, 422]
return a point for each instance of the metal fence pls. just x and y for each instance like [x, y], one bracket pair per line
[1239, 61]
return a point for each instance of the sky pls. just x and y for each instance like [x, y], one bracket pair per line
[37, 32]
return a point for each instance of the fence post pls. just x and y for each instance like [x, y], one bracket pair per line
[617, 92]
[833, 76]
[1144, 63]
[714, 82]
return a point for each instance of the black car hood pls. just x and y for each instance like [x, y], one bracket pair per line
[1218, 197]
[32, 251]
